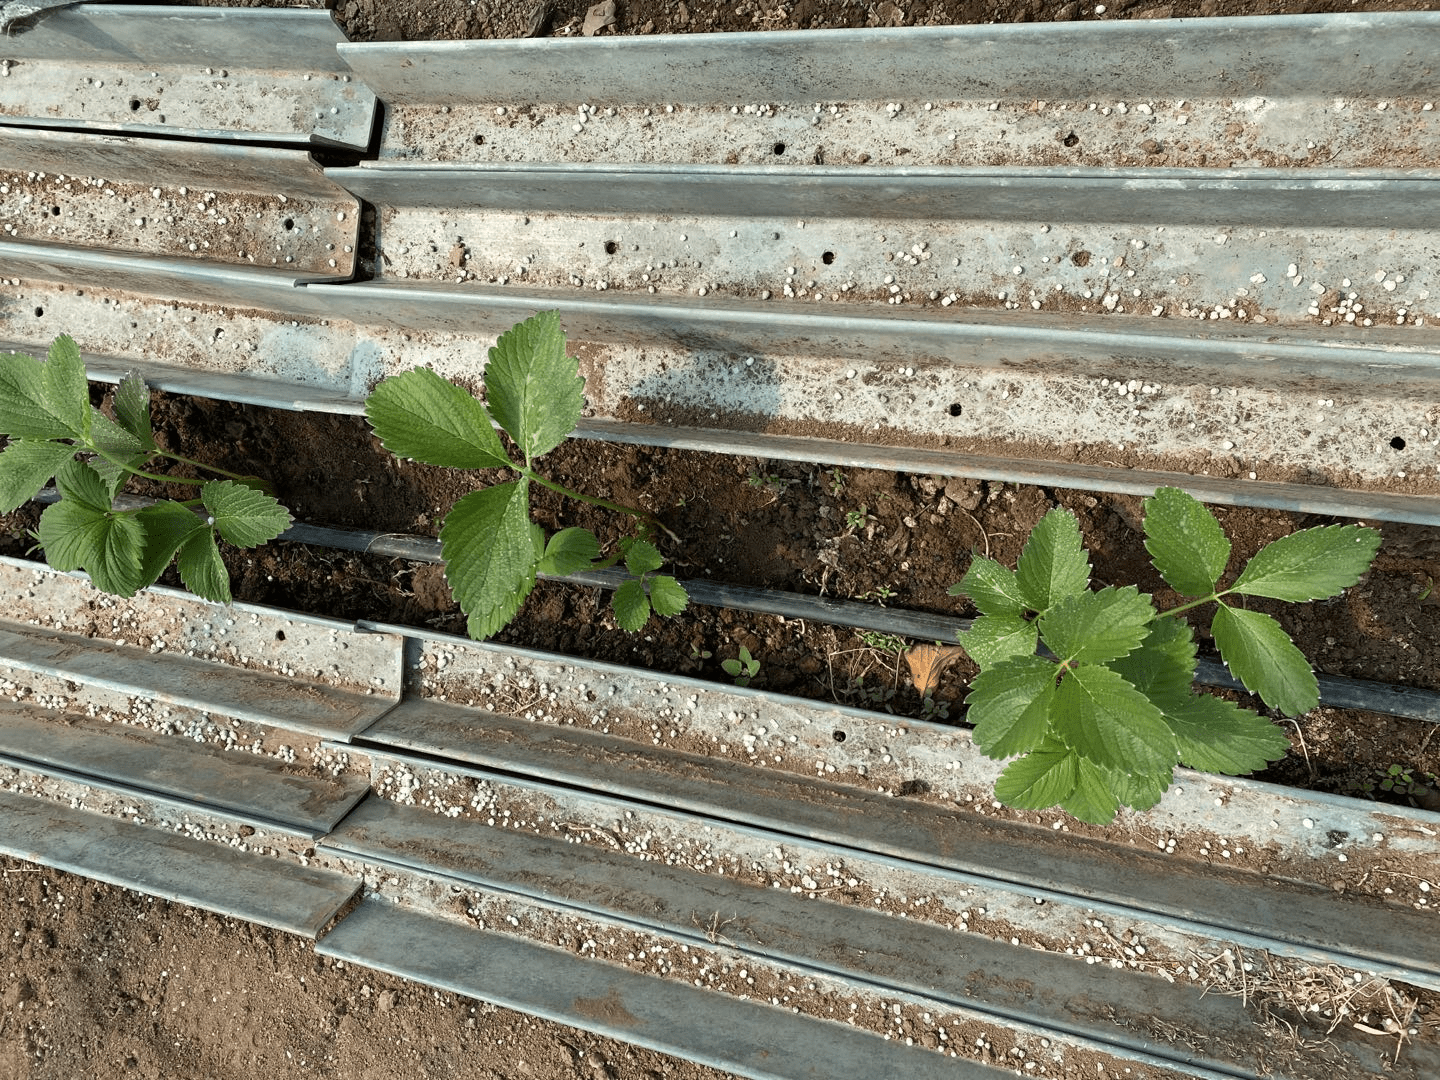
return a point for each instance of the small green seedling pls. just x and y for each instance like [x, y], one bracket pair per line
[880, 593]
[837, 482]
[855, 520]
[742, 670]
[492, 550]
[1104, 718]
[697, 653]
[46, 415]
[882, 642]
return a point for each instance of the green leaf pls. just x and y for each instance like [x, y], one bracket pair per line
[1311, 564]
[1096, 627]
[1010, 705]
[1102, 717]
[534, 389]
[1163, 667]
[243, 516]
[418, 415]
[993, 638]
[991, 587]
[77, 535]
[1219, 736]
[667, 596]
[1040, 779]
[79, 483]
[202, 569]
[128, 451]
[1092, 800]
[115, 473]
[1139, 791]
[632, 606]
[569, 551]
[1262, 656]
[641, 556]
[1053, 565]
[44, 399]
[167, 526]
[132, 408]
[26, 465]
[490, 554]
[1185, 542]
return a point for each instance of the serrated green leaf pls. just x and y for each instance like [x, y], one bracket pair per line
[244, 516]
[569, 551]
[1219, 736]
[1139, 791]
[78, 482]
[490, 554]
[124, 451]
[44, 399]
[1102, 717]
[132, 408]
[1097, 627]
[667, 596]
[1163, 667]
[106, 545]
[115, 473]
[641, 556]
[993, 638]
[1311, 564]
[1040, 779]
[1092, 800]
[1261, 655]
[1053, 565]
[1010, 704]
[1185, 542]
[202, 569]
[167, 526]
[991, 587]
[418, 415]
[632, 606]
[534, 389]
[26, 465]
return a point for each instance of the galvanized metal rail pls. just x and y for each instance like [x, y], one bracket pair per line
[634, 852]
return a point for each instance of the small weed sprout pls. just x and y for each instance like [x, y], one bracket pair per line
[743, 669]
[492, 550]
[46, 415]
[1105, 717]
[855, 520]
[837, 482]
[880, 642]
[880, 593]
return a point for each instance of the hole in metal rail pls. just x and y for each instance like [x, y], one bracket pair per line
[479, 140]
[134, 104]
[778, 148]
[1398, 443]
[828, 258]
[289, 224]
[956, 409]
[55, 211]
[839, 736]
[279, 635]
[39, 311]
[1070, 139]
[611, 247]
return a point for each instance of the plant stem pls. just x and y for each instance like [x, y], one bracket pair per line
[1196, 603]
[640, 515]
[201, 465]
[142, 473]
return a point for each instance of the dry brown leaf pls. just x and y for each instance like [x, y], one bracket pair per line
[598, 17]
[927, 662]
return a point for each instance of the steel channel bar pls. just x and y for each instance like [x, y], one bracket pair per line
[298, 900]
[745, 1037]
[202, 73]
[1284, 90]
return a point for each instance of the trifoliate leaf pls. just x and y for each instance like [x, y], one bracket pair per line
[1311, 564]
[115, 473]
[569, 551]
[78, 482]
[1010, 705]
[26, 465]
[1097, 627]
[1040, 779]
[418, 415]
[991, 587]
[167, 526]
[1102, 717]
[993, 638]
[1218, 736]
[1053, 565]
[1139, 791]
[1262, 656]
[243, 516]
[1185, 542]
[46, 399]
[490, 554]
[632, 606]
[534, 389]
[1163, 667]
[667, 596]
[123, 451]
[641, 556]
[106, 545]
[132, 409]
[1092, 800]
[202, 569]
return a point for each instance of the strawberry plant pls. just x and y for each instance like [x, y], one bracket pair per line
[54, 431]
[492, 549]
[1101, 718]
